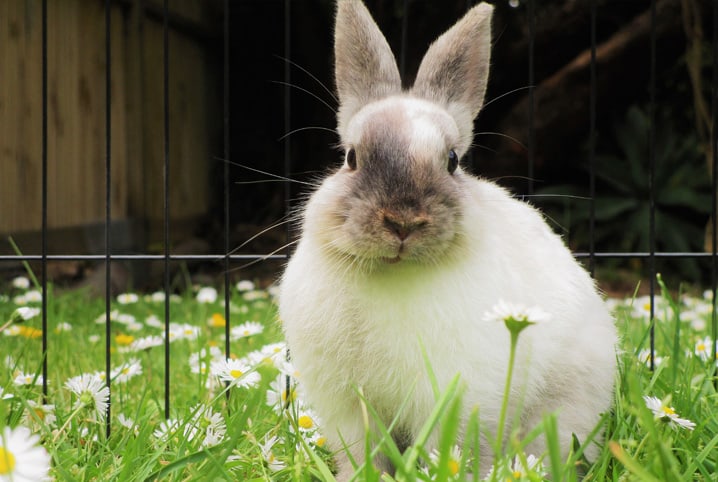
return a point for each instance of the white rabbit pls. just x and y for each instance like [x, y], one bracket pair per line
[402, 253]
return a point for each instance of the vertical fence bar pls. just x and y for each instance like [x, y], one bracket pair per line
[531, 13]
[226, 179]
[287, 145]
[651, 181]
[44, 199]
[714, 148]
[592, 148]
[108, 204]
[166, 193]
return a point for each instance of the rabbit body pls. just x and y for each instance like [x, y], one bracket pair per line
[402, 253]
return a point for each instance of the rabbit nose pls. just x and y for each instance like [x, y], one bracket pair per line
[403, 226]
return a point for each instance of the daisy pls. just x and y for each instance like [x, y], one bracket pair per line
[234, 372]
[21, 283]
[63, 326]
[126, 371]
[167, 429]
[3, 395]
[127, 298]
[266, 448]
[209, 423]
[27, 379]
[33, 296]
[92, 393]
[644, 356]
[22, 458]
[255, 295]
[503, 311]
[277, 393]
[39, 413]
[207, 294]
[94, 338]
[667, 414]
[704, 348]
[246, 329]
[245, 285]
[183, 331]
[199, 362]
[128, 423]
[454, 462]
[158, 297]
[24, 313]
[518, 470]
[154, 322]
[146, 343]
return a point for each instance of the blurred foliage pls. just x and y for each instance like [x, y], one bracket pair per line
[682, 193]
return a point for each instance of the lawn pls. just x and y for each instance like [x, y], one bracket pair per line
[229, 418]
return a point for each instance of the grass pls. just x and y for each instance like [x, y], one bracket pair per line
[240, 431]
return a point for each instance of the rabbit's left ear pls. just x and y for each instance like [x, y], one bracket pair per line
[455, 69]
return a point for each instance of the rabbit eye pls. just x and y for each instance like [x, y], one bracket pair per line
[453, 161]
[351, 159]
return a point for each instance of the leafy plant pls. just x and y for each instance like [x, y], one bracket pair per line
[622, 203]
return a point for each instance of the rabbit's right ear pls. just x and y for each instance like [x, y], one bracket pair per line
[365, 66]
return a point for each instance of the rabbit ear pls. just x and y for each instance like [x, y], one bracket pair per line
[365, 66]
[455, 69]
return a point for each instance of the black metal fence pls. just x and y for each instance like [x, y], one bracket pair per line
[229, 260]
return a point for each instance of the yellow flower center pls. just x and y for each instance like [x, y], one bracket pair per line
[700, 347]
[306, 422]
[124, 340]
[453, 467]
[668, 410]
[321, 441]
[236, 373]
[40, 415]
[218, 320]
[647, 307]
[7, 461]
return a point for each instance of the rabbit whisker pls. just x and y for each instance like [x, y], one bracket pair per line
[312, 76]
[504, 95]
[287, 84]
[300, 129]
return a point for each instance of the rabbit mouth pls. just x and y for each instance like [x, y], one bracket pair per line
[393, 260]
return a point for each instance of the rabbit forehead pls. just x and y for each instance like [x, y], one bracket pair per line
[422, 127]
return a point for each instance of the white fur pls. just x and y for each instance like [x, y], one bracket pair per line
[355, 321]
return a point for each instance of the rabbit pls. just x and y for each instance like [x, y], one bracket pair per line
[402, 253]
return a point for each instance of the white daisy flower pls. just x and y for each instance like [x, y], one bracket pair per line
[126, 371]
[24, 313]
[209, 423]
[273, 291]
[503, 311]
[5, 396]
[183, 331]
[307, 420]
[248, 328]
[92, 393]
[268, 454]
[277, 393]
[668, 414]
[245, 285]
[124, 318]
[235, 372]
[154, 322]
[199, 362]
[94, 338]
[128, 423]
[255, 295]
[518, 470]
[63, 326]
[127, 298]
[22, 458]
[146, 343]
[33, 296]
[27, 379]
[158, 297]
[708, 295]
[167, 429]
[704, 348]
[644, 356]
[454, 459]
[37, 413]
[21, 283]
[207, 294]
